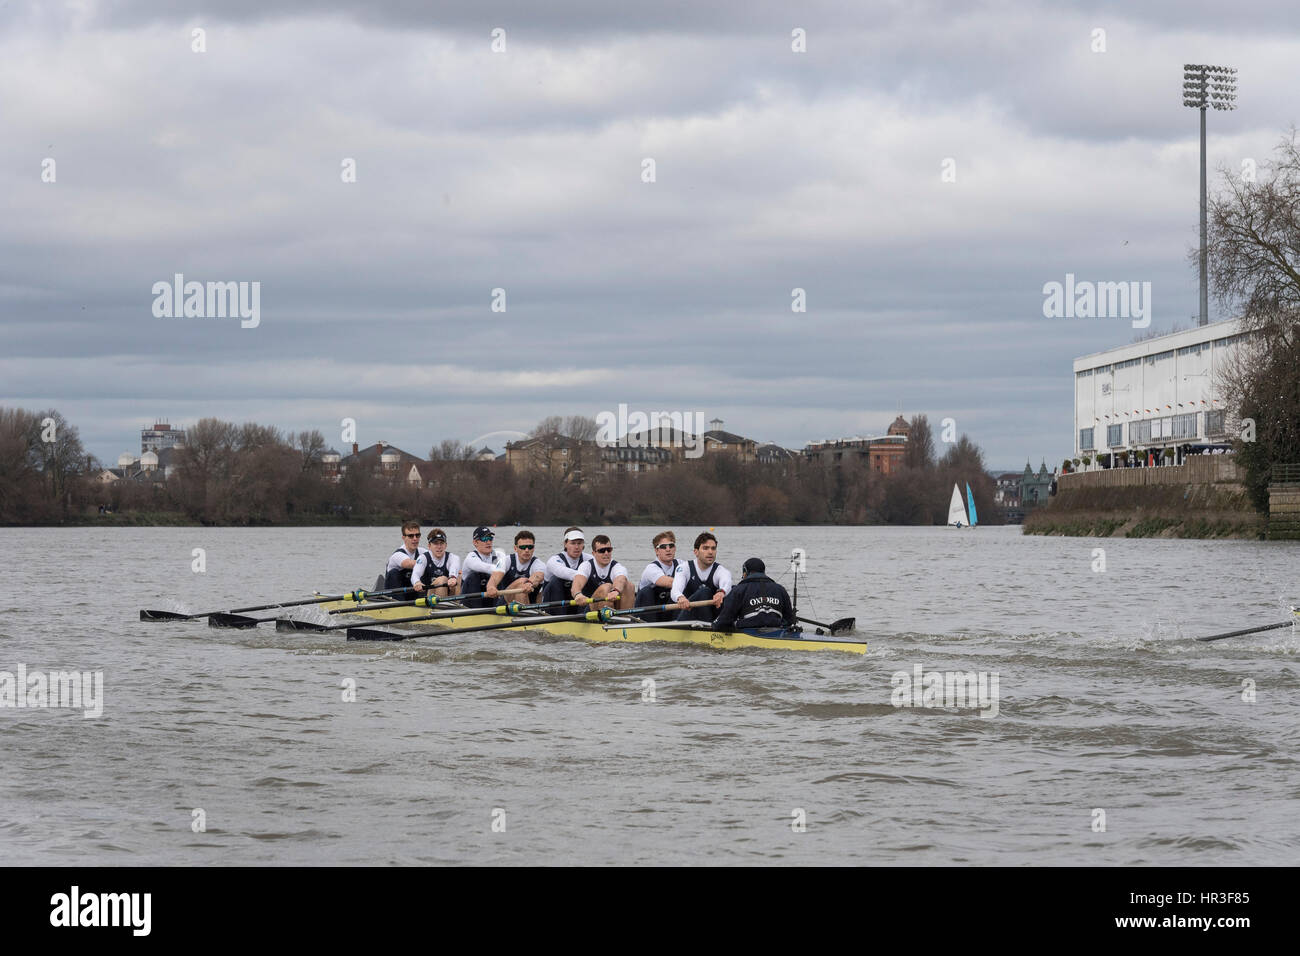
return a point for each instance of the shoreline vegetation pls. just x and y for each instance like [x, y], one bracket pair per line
[250, 475]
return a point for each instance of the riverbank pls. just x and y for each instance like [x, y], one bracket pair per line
[1201, 499]
[178, 519]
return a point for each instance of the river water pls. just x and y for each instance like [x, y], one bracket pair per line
[1116, 740]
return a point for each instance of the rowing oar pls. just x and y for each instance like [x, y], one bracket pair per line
[357, 595]
[223, 619]
[1249, 630]
[289, 624]
[373, 633]
[427, 600]
[843, 624]
[596, 617]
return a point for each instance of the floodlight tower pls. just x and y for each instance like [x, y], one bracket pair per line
[1207, 86]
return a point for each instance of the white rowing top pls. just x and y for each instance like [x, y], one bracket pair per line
[656, 570]
[585, 570]
[397, 557]
[556, 568]
[476, 562]
[427, 558]
[721, 580]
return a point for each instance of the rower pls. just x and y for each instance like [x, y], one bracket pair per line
[561, 568]
[701, 579]
[402, 561]
[602, 578]
[756, 602]
[479, 566]
[656, 584]
[524, 571]
[437, 570]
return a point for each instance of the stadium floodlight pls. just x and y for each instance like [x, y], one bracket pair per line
[1207, 87]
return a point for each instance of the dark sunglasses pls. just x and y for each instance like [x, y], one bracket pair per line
[416, 535]
[485, 537]
[525, 547]
[665, 545]
[604, 550]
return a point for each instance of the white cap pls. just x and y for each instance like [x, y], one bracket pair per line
[575, 535]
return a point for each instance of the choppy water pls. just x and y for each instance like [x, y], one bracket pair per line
[1105, 703]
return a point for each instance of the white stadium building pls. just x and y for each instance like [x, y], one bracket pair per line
[1149, 396]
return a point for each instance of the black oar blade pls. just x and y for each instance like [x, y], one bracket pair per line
[241, 621]
[166, 616]
[376, 634]
[844, 625]
[289, 624]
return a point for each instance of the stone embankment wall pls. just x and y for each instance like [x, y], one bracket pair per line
[1202, 498]
[1284, 512]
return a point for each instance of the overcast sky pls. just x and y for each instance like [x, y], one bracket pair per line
[522, 170]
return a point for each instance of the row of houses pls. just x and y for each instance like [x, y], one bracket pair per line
[584, 460]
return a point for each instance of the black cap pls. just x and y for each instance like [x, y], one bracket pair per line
[754, 566]
[482, 530]
[439, 536]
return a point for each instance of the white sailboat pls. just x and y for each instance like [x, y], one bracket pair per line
[957, 510]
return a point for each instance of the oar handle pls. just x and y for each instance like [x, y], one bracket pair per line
[673, 606]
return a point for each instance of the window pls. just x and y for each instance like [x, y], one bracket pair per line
[1085, 439]
[1086, 373]
[1184, 425]
[1114, 435]
[1139, 432]
[1214, 422]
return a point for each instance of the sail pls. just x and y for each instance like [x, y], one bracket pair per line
[971, 498]
[956, 509]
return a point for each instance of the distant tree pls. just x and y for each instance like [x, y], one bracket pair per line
[21, 493]
[61, 460]
[580, 427]
[766, 505]
[451, 450]
[575, 426]
[252, 435]
[550, 425]
[919, 452]
[311, 446]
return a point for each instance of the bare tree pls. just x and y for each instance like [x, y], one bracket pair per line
[550, 425]
[1254, 248]
[1254, 242]
[311, 446]
[920, 444]
[580, 427]
[451, 450]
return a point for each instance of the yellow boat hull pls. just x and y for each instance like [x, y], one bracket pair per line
[596, 633]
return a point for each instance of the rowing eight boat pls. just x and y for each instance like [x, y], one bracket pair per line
[623, 631]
